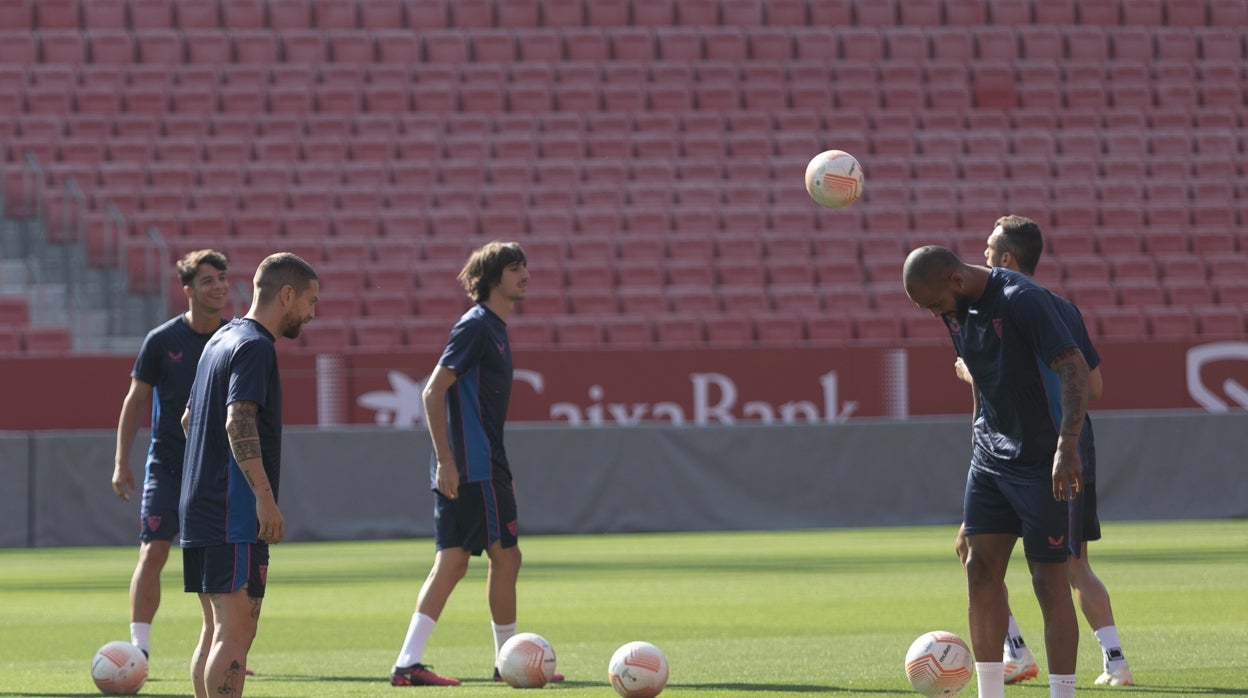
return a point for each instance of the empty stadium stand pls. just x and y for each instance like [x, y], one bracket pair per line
[646, 152]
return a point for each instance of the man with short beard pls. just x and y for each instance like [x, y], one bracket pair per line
[1025, 348]
[233, 424]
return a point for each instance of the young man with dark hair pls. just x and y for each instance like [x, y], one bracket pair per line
[233, 425]
[163, 373]
[466, 400]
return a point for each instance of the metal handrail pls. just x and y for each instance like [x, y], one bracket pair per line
[154, 260]
[113, 225]
[73, 211]
[34, 197]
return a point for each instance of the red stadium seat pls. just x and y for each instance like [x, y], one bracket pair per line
[1219, 322]
[1121, 323]
[1170, 323]
[1188, 292]
[680, 331]
[46, 339]
[1227, 13]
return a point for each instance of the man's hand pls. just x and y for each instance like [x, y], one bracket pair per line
[447, 480]
[123, 481]
[1067, 473]
[272, 527]
[959, 367]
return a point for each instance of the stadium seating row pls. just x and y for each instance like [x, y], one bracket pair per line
[902, 44]
[776, 271]
[34, 339]
[266, 213]
[751, 329]
[243, 102]
[469, 14]
[91, 79]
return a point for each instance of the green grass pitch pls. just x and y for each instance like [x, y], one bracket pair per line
[791, 613]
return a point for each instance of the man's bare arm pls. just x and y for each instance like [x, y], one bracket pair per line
[1072, 369]
[244, 435]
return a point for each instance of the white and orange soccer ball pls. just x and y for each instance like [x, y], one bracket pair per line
[638, 670]
[526, 660]
[834, 179]
[119, 669]
[939, 664]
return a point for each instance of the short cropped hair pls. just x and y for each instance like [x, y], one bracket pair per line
[279, 270]
[189, 264]
[484, 268]
[1021, 237]
[929, 265]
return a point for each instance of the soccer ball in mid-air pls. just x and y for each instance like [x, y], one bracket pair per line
[119, 668]
[834, 179]
[939, 664]
[526, 660]
[638, 670]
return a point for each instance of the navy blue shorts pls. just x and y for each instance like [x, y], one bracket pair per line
[484, 514]
[222, 569]
[1091, 520]
[158, 512]
[1050, 529]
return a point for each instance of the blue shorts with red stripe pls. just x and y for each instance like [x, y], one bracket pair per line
[1051, 530]
[222, 569]
[158, 512]
[484, 514]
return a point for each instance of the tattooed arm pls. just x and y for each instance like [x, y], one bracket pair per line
[1072, 369]
[240, 426]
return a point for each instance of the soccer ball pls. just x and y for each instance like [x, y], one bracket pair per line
[939, 664]
[834, 179]
[526, 660]
[638, 670]
[119, 668]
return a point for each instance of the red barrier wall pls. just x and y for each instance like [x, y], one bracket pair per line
[670, 386]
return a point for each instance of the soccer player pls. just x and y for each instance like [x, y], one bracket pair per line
[164, 370]
[233, 426]
[1016, 243]
[465, 400]
[1026, 470]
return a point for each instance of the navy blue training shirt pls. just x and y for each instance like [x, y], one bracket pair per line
[167, 361]
[1010, 336]
[479, 353]
[239, 365]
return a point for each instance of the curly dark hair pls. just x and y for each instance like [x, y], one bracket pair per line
[484, 268]
[189, 264]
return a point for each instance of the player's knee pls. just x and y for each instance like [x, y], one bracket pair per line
[449, 568]
[154, 553]
[1050, 582]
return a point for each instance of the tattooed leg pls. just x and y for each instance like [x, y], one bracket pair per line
[235, 615]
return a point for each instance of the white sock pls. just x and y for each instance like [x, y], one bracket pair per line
[1111, 648]
[991, 676]
[417, 637]
[502, 633]
[140, 636]
[1061, 686]
[1014, 637]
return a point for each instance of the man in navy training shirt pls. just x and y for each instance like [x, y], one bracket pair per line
[465, 402]
[1017, 243]
[164, 370]
[1026, 469]
[233, 424]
